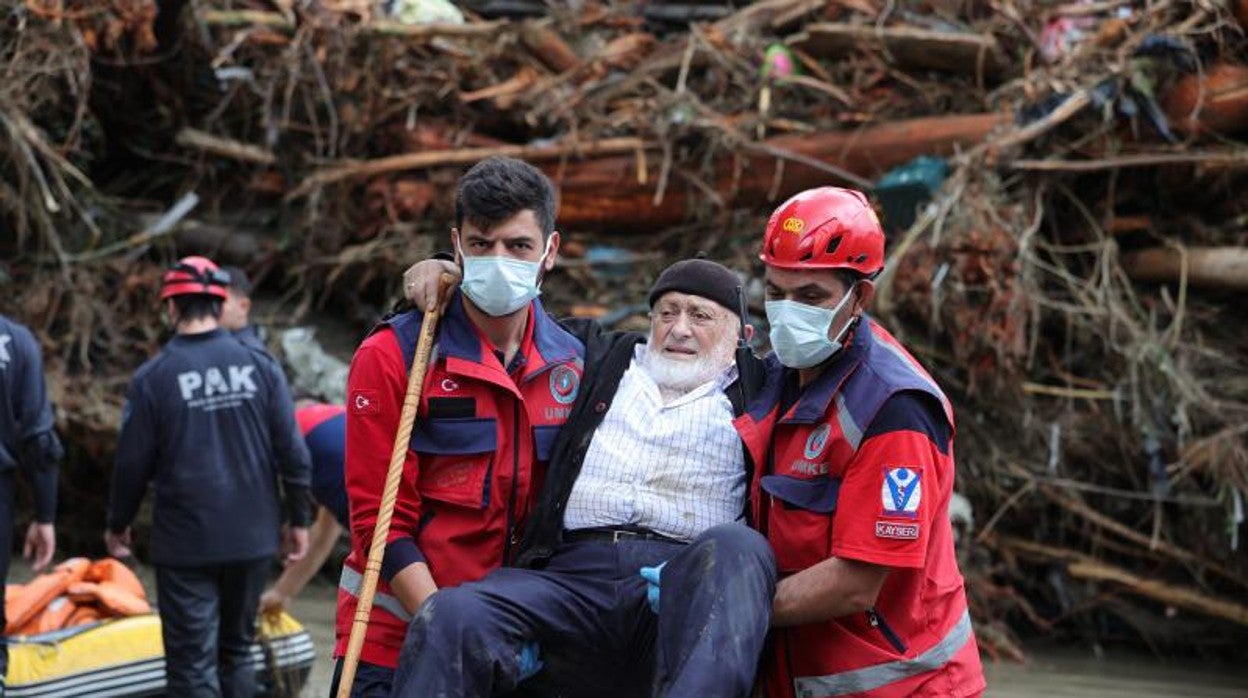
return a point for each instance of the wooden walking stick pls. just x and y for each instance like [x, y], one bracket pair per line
[372, 569]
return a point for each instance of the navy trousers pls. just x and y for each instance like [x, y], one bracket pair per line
[208, 624]
[371, 681]
[587, 611]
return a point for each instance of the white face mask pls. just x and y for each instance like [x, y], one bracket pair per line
[799, 332]
[501, 285]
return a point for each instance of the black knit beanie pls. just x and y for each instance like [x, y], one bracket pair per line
[699, 277]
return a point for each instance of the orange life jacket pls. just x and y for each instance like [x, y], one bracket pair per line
[75, 592]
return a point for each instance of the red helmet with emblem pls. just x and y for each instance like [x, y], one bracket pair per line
[194, 276]
[825, 228]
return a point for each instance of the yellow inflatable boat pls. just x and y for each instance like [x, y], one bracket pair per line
[125, 657]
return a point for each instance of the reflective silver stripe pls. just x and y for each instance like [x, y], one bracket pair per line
[352, 581]
[848, 427]
[908, 362]
[873, 677]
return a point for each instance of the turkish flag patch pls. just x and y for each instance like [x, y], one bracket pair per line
[364, 402]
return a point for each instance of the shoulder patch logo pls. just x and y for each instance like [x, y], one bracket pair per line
[901, 492]
[896, 531]
[817, 441]
[564, 383]
[365, 402]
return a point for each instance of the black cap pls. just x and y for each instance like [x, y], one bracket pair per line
[699, 277]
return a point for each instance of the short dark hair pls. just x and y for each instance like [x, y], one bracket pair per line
[196, 306]
[498, 188]
[848, 277]
[239, 283]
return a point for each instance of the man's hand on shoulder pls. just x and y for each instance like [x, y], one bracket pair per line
[420, 281]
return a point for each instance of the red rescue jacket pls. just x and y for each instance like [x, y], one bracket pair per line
[844, 479]
[475, 461]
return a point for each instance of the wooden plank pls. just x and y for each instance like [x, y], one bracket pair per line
[608, 194]
[907, 47]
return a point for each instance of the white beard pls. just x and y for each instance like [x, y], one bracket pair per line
[675, 375]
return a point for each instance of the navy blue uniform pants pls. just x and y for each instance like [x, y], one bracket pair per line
[371, 681]
[208, 624]
[587, 611]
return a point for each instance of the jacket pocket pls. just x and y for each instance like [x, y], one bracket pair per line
[877, 621]
[800, 520]
[544, 441]
[455, 458]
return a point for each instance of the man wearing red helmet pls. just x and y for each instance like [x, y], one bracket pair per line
[857, 476]
[210, 422]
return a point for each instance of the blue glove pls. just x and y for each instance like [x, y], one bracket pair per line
[529, 662]
[651, 575]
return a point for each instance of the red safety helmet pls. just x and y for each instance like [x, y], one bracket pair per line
[194, 276]
[825, 228]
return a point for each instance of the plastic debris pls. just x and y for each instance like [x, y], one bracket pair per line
[904, 189]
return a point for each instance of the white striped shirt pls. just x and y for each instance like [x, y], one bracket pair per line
[676, 469]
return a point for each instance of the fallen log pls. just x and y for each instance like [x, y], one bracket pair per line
[607, 193]
[1215, 100]
[1086, 567]
[908, 47]
[463, 156]
[1224, 268]
[1170, 594]
[1073, 504]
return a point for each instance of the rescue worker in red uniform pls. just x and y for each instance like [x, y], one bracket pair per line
[854, 492]
[324, 429]
[500, 385]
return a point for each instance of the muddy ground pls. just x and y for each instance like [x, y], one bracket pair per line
[1068, 673]
[1051, 673]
